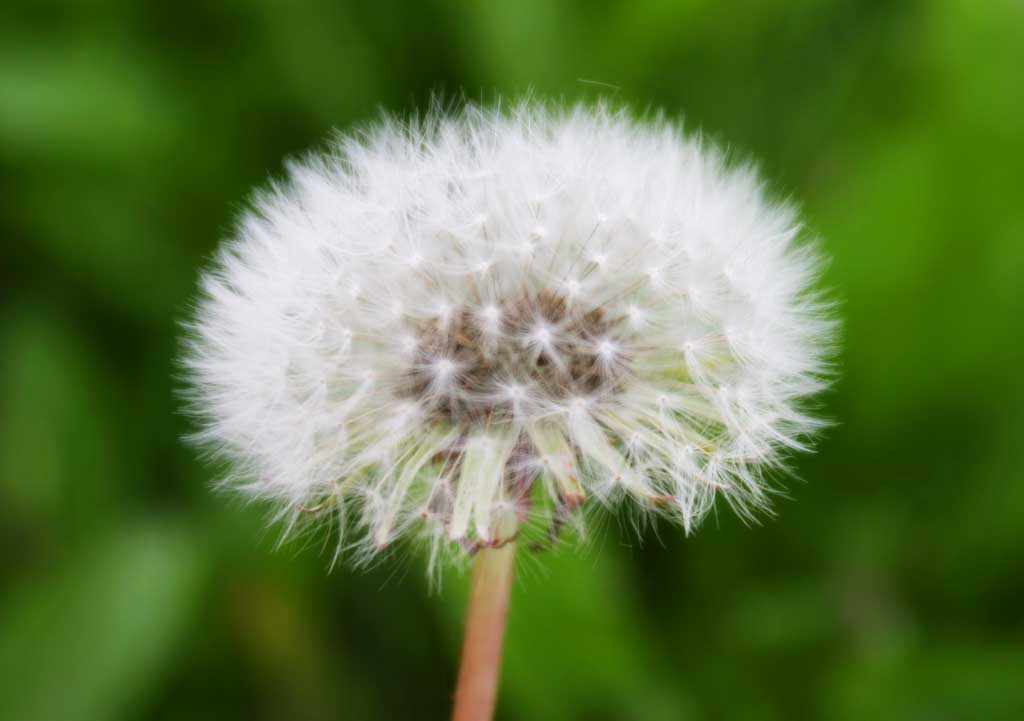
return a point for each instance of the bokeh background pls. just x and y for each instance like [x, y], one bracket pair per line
[891, 585]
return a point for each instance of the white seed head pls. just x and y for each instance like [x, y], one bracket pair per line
[439, 324]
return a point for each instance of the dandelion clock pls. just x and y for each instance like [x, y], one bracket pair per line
[466, 329]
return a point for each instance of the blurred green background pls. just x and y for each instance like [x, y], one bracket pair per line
[889, 587]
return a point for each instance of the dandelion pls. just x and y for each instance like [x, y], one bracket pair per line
[467, 327]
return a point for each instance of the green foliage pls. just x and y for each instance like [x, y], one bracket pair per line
[888, 588]
[87, 640]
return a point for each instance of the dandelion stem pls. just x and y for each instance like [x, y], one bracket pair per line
[477, 687]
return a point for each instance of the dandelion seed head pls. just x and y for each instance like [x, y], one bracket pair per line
[442, 322]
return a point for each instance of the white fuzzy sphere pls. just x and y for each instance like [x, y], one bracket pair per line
[474, 323]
